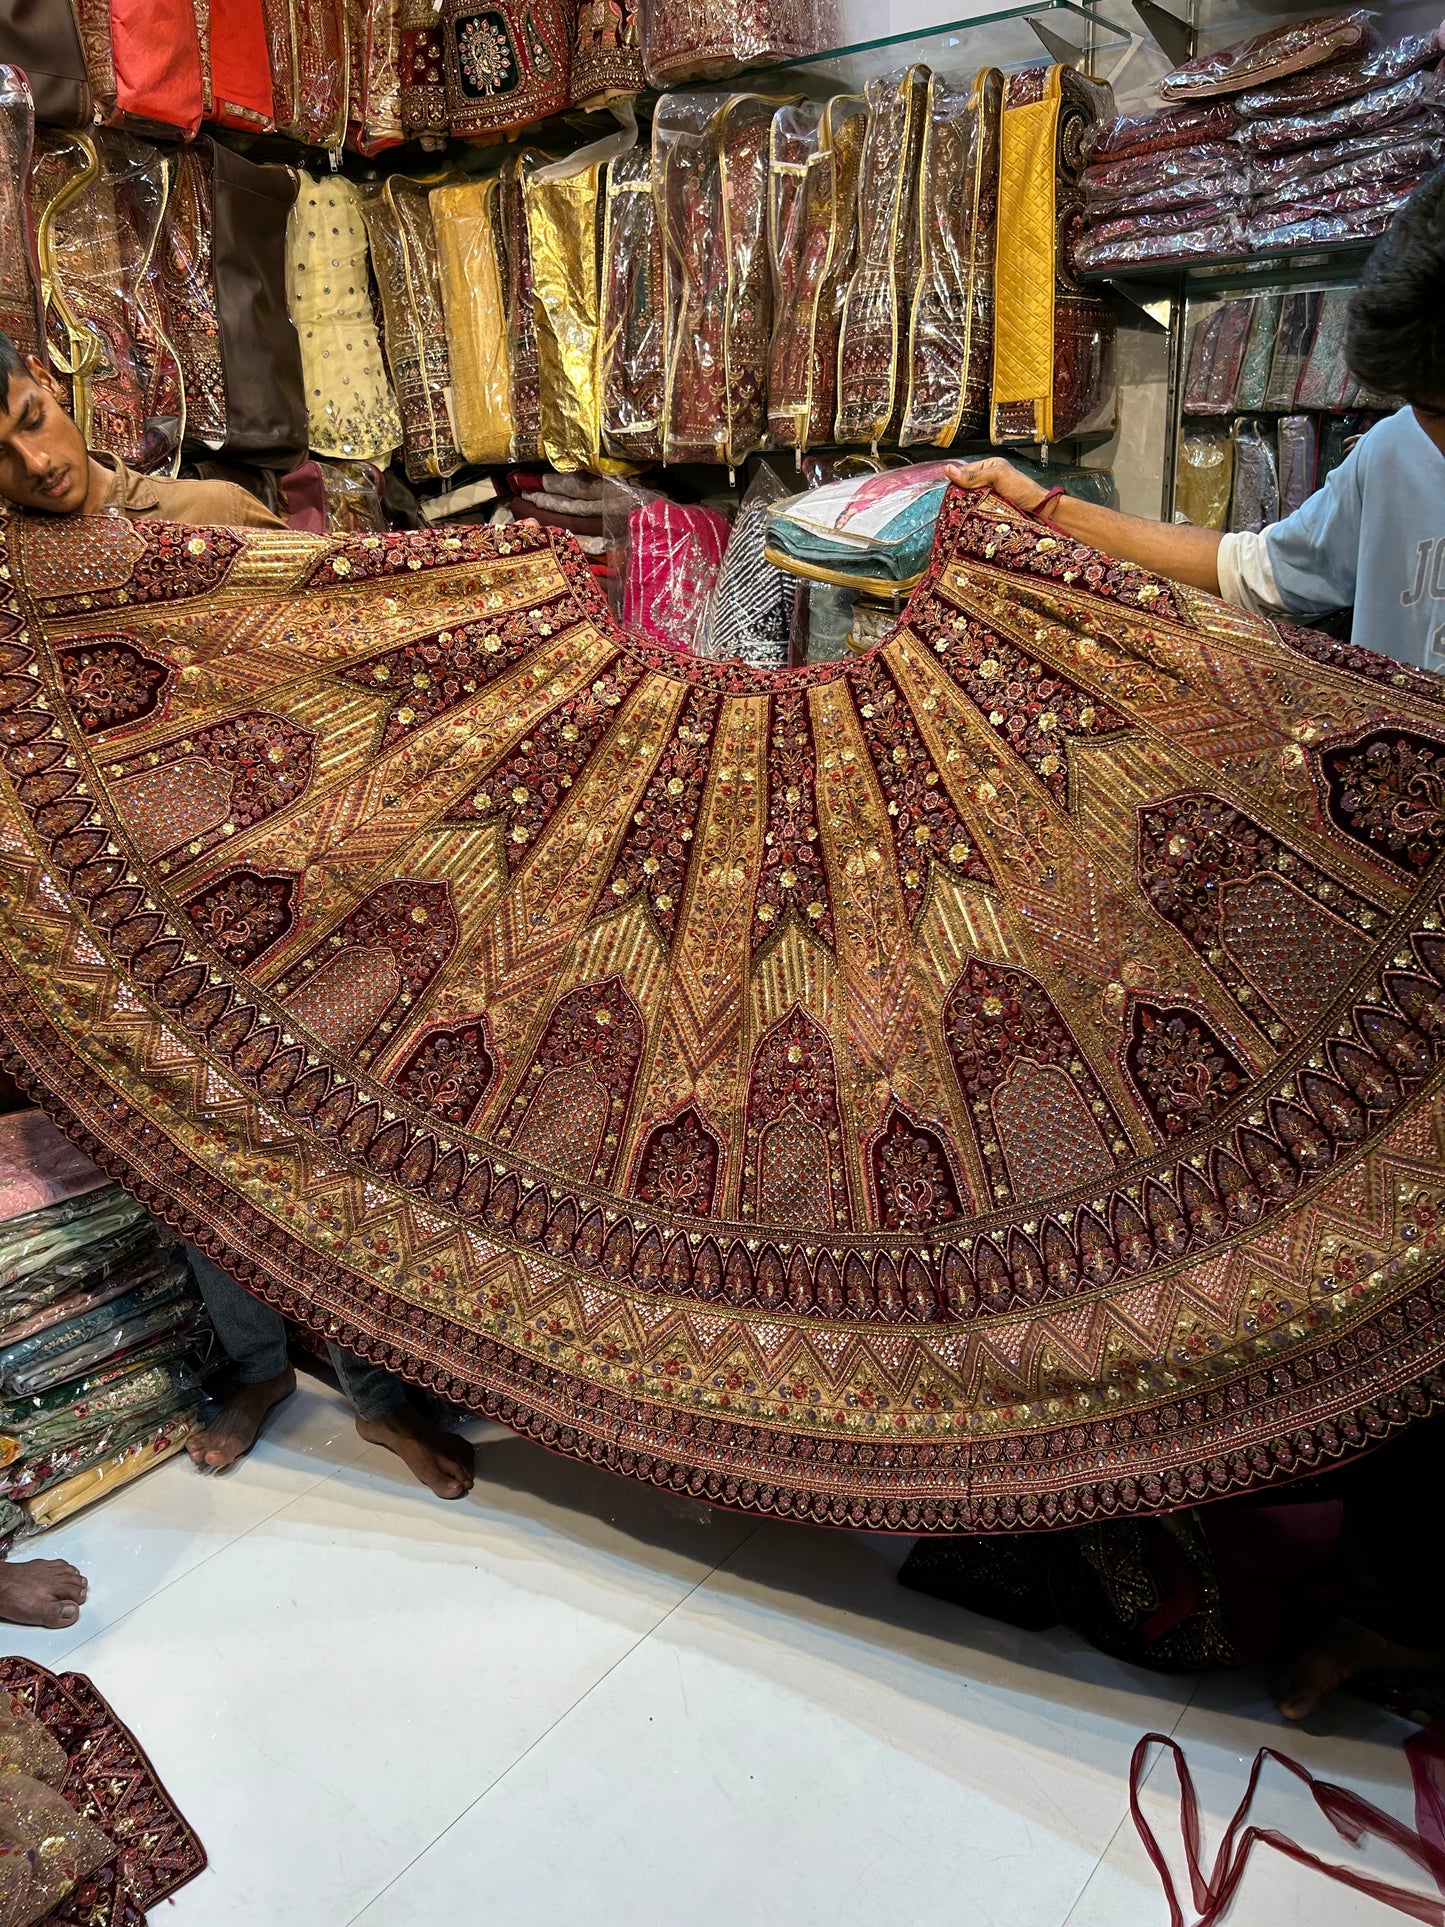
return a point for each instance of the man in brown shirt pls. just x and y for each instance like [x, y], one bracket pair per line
[45, 467]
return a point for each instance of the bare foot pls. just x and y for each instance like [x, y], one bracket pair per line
[1342, 1650]
[41, 1592]
[236, 1427]
[444, 1463]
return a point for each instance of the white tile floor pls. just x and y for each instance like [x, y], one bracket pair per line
[574, 1702]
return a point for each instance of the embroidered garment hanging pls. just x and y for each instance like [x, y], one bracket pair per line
[991, 1082]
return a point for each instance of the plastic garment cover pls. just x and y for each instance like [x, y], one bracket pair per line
[632, 349]
[65, 1351]
[1323, 87]
[404, 255]
[950, 341]
[1292, 345]
[1205, 479]
[1326, 382]
[19, 269]
[72, 1495]
[1210, 234]
[607, 59]
[1366, 114]
[1216, 350]
[350, 407]
[423, 73]
[870, 532]
[97, 242]
[188, 296]
[710, 168]
[674, 553]
[1053, 341]
[467, 220]
[40, 1240]
[1359, 213]
[374, 86]
[39, 1169]
[1276, 178]
[353, 498]
[873, 361]
[1136, 136]
[709, 39]
[1255, 502]
[1298, 437]
[752, 605]
[1272, 56]
[562, 236]
[1108, 184]
[521, 315]
[310, 60]
[50, 1464]
[1184, 193]
[816, 155]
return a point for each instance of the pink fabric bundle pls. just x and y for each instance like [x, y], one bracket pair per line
[39, 1166]
[673, 558]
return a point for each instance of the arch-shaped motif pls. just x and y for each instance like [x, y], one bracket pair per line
[244, 912]
[347, 984]
[1385, 790]
[449, 1070]
[1182, 1070]
[1002, 1028]
[569, 1107]
[679, 1164]
[793, 1143]
[198, 790]
[914, 1175]
[111, 683]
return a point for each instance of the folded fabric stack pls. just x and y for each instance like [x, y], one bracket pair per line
[589, 507]
[101, 1332]
[1310, 134]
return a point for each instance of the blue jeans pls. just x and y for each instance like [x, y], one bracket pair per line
[254, 1339]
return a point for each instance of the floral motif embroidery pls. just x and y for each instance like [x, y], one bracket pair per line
[1387, 791]
[654, 852]
[200, 789]
[484, 50]
[1181, 1069]
[243, 913]
[112, 682]
[915, 1184]
[677, 1167]
[173, 563]
[792, 881]
[450, 1071]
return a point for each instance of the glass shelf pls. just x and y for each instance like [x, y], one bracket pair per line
[990, 36]
[1338, 261]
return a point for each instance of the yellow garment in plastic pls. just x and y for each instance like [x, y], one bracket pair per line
[562, 234]
[71, 1495]
[1023, 345]
[350, 407]
[466, 221]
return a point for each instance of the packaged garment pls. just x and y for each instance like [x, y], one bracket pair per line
[1215, 235]
[188, 296]
[39, 1168]
[1216, 350]
[815, 157]
[687, 40]
[350, 408]
[97, 239]
[39, 1239]
[1206, 478]
[1184, 192]
[307, 41]
[1255, 502]
[43, 39]
[1254, 367]
[1326, 381]
[266, 416]
[72, 1495]
[563, 220]
[1137, 136]
[873, 362]
[521, 316]
[353, 498]
[1298, 444]
[19, 270]
[374, 88]
[632, 348]
[752, 605]
[1118, 182]
[240, 67]
[63, 1403]
[1275, 179]
[951, 328]
[68, 1351]
[501, 65]
[607, 62]
[397, 212]
[1368, 113]
[467, 219]
[1270, 57]
[1320, 88]
[1291, 348]
[869, 532]
[48, 1465]
[159, 86]
[672, 563]
[1053, 341]
[1352, 214]
[710, 167]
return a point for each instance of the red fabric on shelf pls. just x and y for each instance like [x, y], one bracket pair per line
[241, 66]
[157, 62]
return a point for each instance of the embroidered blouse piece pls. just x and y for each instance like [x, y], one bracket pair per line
[188, 296]
[404, 255]
[468, 224]
[709, 39]
[632, 347]
[873, 347]
[710, 160]
[606, 53]
[1053, 341]
[951, 329]
[874, 1071]
[473, 70]
[816, 158]
[350, 406]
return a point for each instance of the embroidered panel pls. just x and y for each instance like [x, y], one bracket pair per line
[1096, 1171]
